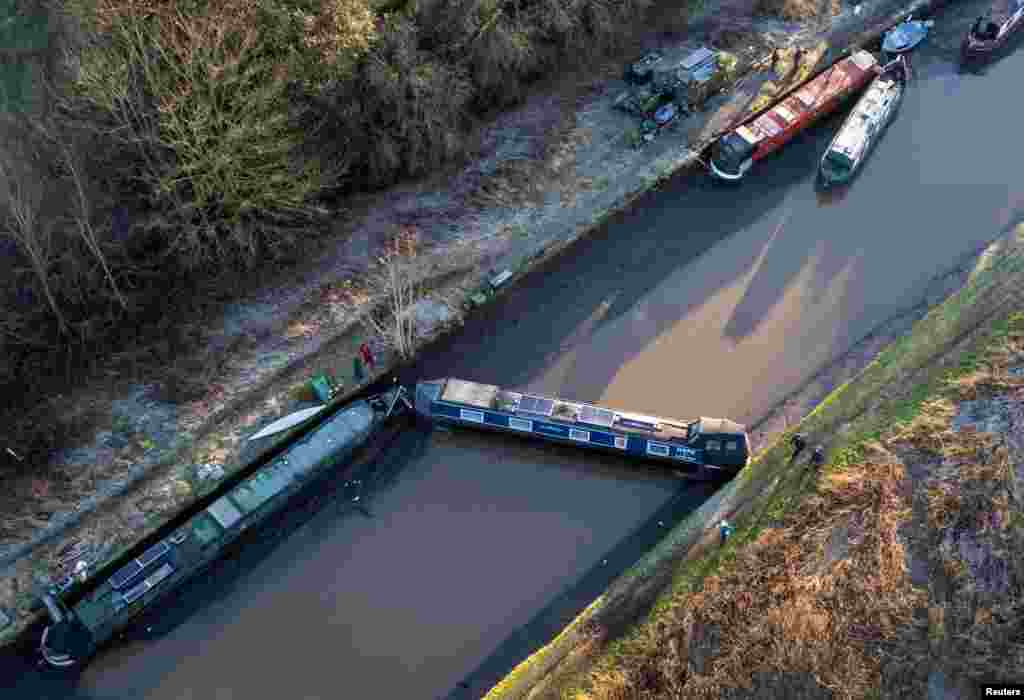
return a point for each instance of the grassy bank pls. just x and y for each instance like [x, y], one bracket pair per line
[777, 591]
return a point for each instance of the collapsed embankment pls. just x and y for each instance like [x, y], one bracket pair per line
[163, 470]
[893, 571]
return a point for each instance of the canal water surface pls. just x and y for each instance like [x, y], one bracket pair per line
[703, 300]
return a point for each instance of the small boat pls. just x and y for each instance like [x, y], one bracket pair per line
[705, 448]
[91, 614]
[734, 153]
[865, 124]
[993, 29]
[906, 35]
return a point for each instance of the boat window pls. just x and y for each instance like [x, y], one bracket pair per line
[655, 448]
[581, 435]
[473, 416]
[713, 446]
[732, 446]
[730, 151]
[520, 424]
[620, 442]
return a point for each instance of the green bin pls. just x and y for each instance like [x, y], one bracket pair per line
[324, 387]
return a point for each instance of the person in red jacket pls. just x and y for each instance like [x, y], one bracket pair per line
[367, 355]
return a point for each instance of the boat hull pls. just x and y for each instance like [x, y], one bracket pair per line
[685, 460]
[297, 474]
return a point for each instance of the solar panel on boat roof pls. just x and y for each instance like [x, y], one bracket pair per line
[125, 574]
[536, 404]
[597, 416]
[153, 553]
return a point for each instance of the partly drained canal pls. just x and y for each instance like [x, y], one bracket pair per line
[704, 300]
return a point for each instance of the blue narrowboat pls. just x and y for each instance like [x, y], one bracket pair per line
[705, 448]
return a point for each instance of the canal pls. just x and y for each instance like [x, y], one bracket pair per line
[703, 300]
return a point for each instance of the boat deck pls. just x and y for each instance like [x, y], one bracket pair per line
[489, 396]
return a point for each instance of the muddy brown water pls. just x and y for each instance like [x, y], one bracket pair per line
[703, 300]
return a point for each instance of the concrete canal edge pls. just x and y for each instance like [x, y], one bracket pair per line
[665, 168]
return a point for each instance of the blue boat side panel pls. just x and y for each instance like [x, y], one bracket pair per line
[582, 434]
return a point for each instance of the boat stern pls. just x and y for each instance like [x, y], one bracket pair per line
[66, 642]
[722, 174]
[732, 154]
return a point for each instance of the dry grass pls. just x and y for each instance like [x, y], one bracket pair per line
[826, 594]
[778, 607]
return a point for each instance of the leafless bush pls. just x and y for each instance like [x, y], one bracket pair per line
[398, 277]
[27, 196]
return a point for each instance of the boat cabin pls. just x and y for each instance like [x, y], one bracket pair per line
[723, 442]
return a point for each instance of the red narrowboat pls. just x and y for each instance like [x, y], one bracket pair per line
[735, 152]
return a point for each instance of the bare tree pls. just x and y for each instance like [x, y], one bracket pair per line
[23, 219]
[398, 276]
[70, 156]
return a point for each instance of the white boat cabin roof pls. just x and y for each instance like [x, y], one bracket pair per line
[869, 109]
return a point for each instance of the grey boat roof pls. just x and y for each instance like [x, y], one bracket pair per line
[853, 135]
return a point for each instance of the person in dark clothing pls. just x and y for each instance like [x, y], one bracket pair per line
[818, 457]
[799, 442]
[724, 531]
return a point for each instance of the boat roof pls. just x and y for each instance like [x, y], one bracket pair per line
[485, 396]
[823, 86]
[853, 133]
[720, 426]
[470, 393]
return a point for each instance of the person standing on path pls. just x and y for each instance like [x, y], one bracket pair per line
[799, 442]
[367, 355]
[724, 529]
[357, 369]
[818, 457]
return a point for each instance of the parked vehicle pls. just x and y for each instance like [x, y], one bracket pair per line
[639, 72]
[992, 30]
[865, 124]
[664, 87]
[734, 153]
